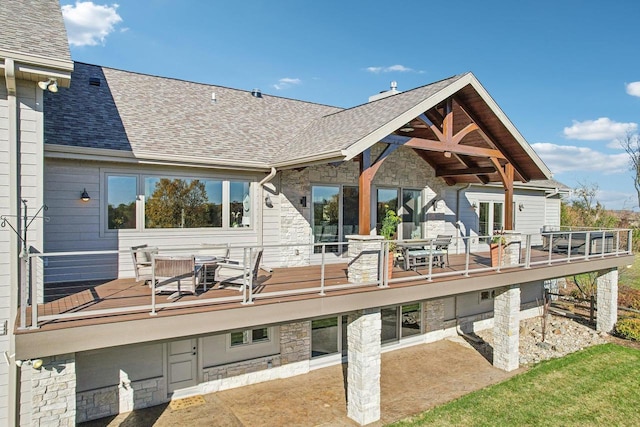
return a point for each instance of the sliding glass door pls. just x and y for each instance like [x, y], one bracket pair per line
[335, 214]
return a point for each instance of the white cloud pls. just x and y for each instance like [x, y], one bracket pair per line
[599, 129]
[633, 89]
[393, 68]
[88, 24]
[570, 158]
[286, 82]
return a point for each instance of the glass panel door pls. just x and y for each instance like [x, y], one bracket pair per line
[350, 211]
[498, 220]
[483, 220]
[411, 213]
[387, 198]
[325, 200]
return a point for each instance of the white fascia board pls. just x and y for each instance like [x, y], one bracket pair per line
[526, 187]
[121, 156]
[41, 66]
[321, 158]
[410, 114]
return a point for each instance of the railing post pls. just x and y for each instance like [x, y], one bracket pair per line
[527, 252]
[322, 270]
[551, 246]
[429, 278]
[245, 290]
[603, 243]
[629, 242]
[23, 292]
[569, 248]
[587, 245]
[618, 242]
[499, 256]
[33, 283]
[153, 285]
[467, 252]
[249, 274]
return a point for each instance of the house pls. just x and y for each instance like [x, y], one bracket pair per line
[122, 159]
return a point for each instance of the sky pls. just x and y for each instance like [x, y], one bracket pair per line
[565, 72]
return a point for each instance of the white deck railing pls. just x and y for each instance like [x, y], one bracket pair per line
[76, 267]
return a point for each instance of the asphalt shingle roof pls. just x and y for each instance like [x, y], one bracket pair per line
[148, 114]
[33, 27]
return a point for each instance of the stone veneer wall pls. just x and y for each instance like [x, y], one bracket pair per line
[124, 397]
[295, 342]
[52, 397]
[404, 168]
[295, 353]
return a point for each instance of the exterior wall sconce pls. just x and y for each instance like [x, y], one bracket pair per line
[303, 201]
[474, 206]
[85, 196]
[267, 201]
[50, 84]
[520, 206]
[35, 363]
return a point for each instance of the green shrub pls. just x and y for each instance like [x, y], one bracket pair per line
[628, 329]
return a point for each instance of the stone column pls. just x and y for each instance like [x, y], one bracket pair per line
[364, 258]
[434, 315]
[512, 249]
[506, 328]
[607, 300]
[363, 370]
[53, 391]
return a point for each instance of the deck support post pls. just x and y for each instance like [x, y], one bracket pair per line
[506, 328]
[607, 300]
[363, 369]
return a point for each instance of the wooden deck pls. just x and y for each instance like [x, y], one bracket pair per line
[133, 300]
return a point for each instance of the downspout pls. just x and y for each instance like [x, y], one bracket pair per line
[14, 212]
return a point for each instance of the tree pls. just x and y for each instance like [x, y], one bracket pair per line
[584, 209]
[631, 144]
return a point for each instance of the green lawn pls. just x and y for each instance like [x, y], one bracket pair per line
[599, 386]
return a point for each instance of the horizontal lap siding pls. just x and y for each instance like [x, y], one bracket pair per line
[75, 225]
[5, 253]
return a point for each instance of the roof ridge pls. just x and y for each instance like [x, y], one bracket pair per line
[200, 83]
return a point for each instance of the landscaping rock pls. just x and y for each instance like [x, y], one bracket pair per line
[563, 336]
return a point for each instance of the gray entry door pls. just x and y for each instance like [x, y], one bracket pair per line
[183, 364]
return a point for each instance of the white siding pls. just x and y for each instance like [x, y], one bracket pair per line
[79, 226]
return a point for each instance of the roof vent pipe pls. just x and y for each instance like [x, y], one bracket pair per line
[256, 93]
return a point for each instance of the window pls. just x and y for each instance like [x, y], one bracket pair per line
[324, 336]
[487, 295]
[249, 336]
[389, 317]
[182, 203]
[121, 202]
[490, 219]
[411, 319]
[163, 202]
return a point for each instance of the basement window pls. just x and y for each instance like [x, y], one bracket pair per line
[487, 295]
[249, 336]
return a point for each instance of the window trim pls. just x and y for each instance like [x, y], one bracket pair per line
[249, 334]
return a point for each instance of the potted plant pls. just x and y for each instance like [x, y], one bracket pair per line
[497, 249]
[388, 230]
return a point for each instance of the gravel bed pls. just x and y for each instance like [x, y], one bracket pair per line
[563, 336]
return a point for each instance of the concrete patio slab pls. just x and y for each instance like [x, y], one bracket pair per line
[413, 380]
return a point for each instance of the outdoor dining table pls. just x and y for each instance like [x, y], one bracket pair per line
[208, 265]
